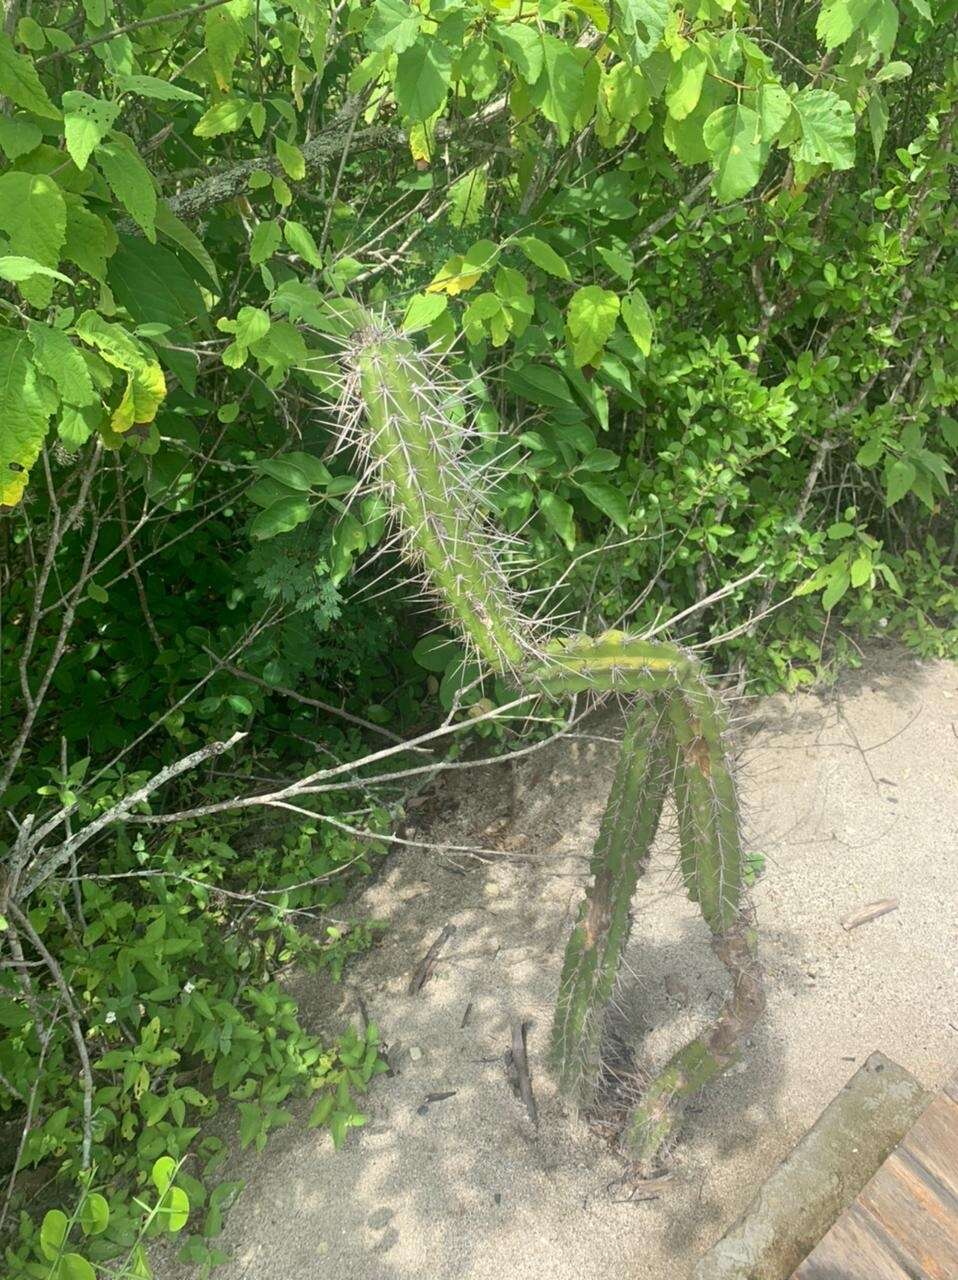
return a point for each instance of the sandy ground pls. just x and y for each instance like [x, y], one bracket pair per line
[851, 794]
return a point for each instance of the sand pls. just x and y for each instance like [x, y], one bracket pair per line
[851, 795]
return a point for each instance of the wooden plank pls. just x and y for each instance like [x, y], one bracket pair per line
[850, 1244]
[904, 1224]
[918, 1217]
[933, 1142]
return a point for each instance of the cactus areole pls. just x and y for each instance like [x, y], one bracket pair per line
[395, 411]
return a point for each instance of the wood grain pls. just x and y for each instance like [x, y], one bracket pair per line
[904, 1224]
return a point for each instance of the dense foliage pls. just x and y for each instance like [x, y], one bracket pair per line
[697, 267]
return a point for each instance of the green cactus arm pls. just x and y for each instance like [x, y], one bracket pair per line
[711, 856]
[621, 853]
[612, 663]
[407, 436]
[709, 1054]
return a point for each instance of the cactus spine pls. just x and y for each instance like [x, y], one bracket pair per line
[393, 411]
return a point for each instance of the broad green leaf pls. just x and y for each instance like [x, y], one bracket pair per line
[155, 288]
[558, 89]
[877, 120]
[560, 516]
[224, 117]
[176, 230]
[422, 310]
[130, 181]
[685, 137]
[423, 76]
[15, 269]
[313, 468]
[154, 87]
[638, 320]
[225, 40]
[173, 1212]
[33, 215]
[90, 240]
[541, 385]
[880, 28]
[30, 34]
[591, 318]
[57, 357]
[611, 501]
[94, 1214]
[20, 83]
[436, 653]
[349, 538]
[899, 478]
[291, 158]
[828, 129]
[774, 108]
[281, 517]
[861, 571]
[642, 24]
[544, 256]
[467, 197]
[264, 242]
[893, 71]
[53, 1232]
[300, 240]
[840, 19]
[522, 46]
[733, 137]
[144, 393]
[685, 83]
[251, 325]
[838, 584]
[18, 137]
[393, 27]
[286, 472]
[86, 121]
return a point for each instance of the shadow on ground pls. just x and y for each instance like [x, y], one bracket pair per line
[851, 796]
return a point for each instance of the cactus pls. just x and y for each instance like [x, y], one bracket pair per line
[394, 411]
[622, 851]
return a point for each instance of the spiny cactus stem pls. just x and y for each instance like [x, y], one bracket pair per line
[443, 531]
[621, 854]
[613, 663]
[711, 852]
[708, 1055]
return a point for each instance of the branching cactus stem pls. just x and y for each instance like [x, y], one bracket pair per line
[396, 412]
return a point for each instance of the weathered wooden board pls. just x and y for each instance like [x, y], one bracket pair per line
[904, 1224]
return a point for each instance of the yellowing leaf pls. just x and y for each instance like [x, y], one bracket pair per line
[144, 393]
[25, 412]
[451, 279]
[591, 318]
[224, 41]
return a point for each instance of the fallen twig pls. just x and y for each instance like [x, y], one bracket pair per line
[871, 911]
[427, 965]
[521, 1064]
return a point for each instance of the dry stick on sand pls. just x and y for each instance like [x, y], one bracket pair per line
[520, 1061]
[426, 966]
[864, 915]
